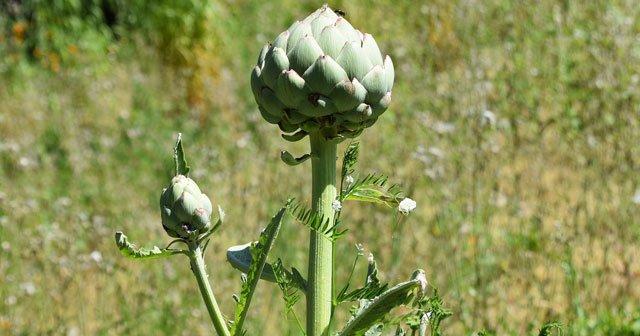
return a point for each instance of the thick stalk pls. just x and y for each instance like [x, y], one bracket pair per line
[199, 270]
[319, 292]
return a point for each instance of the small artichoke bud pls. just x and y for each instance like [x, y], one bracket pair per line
[185, 210]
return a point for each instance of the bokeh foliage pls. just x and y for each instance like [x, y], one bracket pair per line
[514, 125]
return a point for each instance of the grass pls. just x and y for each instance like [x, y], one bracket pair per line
[523, 218]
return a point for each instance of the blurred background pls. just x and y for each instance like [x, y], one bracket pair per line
[515, 126]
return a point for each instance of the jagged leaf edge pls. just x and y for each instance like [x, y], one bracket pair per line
[259, 254]
[315, 221]
[380, 306]
[129, 249]
[372, 286]
[373, 188]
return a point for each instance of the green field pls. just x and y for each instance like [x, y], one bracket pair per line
[515, 125]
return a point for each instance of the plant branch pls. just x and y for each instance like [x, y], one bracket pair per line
[199, 270]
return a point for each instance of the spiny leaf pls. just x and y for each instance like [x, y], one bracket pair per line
[427, 313]
[372, 286]
[129, 250]
[548, 327]
[298, 280]
[350, 159]
[372, 311]
[290, 160]
[483, 333]
[178, 155]
[373, 188]
[287, 283]
[259, 253]
[314, 220]
[436, 311]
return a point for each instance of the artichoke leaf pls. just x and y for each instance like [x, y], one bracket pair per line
[130, 250]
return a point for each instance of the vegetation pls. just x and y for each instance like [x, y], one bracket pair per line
[514, 126]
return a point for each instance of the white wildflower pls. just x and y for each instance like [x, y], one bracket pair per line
[636, 197]
[437, 152]
[407, 205]
[370, 258]
[443, 127]
[96, 256]
[348, 180]
[360, 248]
[10, 300]
[25, 162]
[74, 331]
[488, 118]
[336, 205]
[28, 287]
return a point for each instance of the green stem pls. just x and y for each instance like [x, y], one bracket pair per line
[319, 292]
[199, 270]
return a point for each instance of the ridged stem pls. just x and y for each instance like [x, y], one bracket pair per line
[199, 270]
[319, 292]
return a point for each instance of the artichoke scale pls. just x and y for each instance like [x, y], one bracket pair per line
[302, 56]
[300, 30]
[271, 103]
[268, 117]
[331, 40]
[346, 95]
[281, 40]
[376, 84]
[371, 49]
[324, 74]
[354, 61]
[275, 62]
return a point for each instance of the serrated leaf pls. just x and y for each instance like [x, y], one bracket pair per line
[371, 195]
[259, 253]
[287, 283]
[372, 311]
[436, 311]
[298, 280]
[372, 286]
[548, 327]
[350, 159]
[373, 188]
[314, 220]
[179, 157]
[130, 250]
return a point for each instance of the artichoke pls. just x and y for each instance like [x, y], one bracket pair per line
[322, 74]
[185, 210]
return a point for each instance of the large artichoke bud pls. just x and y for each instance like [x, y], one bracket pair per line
[322, 73]
[185, 210]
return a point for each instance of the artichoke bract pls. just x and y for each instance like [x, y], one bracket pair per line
[185, 210]
[322, 74]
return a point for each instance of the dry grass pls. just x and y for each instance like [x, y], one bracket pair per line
[520, 220]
